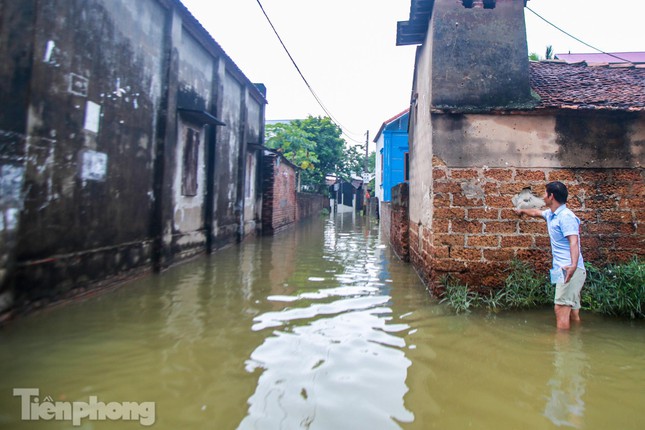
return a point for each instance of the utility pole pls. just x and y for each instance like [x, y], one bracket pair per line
[367, 139]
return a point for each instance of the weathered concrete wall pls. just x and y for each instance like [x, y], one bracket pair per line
[94, 146]
[480, 56]
[482, 162]
[16, 20]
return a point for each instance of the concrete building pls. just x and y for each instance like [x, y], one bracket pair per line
[128, 139]
[486, 124]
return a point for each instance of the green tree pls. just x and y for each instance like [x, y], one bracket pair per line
[534, 56]
[329, 149]
[294, 143]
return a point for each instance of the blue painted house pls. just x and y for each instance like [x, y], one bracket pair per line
[392, 155]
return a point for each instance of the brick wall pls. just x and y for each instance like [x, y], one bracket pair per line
[310, 204]
[476, 233]
[279, 194]
[399, 221]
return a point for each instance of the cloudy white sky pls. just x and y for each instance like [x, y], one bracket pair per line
[346, 49]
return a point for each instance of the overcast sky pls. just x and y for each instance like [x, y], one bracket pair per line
[346, 49]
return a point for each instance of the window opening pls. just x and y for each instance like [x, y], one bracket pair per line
[406, 167]
[191, 157]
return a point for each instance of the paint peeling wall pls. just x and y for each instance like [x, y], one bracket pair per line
[93, 143]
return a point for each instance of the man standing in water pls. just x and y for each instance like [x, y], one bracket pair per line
[568, 272]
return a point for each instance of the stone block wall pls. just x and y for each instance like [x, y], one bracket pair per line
[476, 233]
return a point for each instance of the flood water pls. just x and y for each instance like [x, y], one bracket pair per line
[319, 327]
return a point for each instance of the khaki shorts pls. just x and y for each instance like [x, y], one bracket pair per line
[569, 294]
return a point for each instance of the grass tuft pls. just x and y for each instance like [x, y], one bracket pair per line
[616, 289]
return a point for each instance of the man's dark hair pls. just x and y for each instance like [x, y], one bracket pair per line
[558, 190]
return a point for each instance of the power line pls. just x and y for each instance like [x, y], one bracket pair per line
[305, 80]
[573, 37]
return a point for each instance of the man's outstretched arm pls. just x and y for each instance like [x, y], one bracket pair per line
[536, 213]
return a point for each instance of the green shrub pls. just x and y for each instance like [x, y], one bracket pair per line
[617, 289]
[458, 296]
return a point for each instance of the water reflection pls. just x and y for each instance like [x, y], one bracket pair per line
[566, 406]
[333, 345]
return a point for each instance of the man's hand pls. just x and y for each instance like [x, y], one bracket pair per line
[568, 272]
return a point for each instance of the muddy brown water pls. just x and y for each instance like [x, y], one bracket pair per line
[319, 327]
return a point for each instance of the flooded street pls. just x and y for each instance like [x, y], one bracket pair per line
[319, 327]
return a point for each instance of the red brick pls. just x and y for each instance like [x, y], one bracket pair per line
[630, 242]
[614, 188]
[463, 226]
[614, 216]
[464, 173]
[482, 214]
[491, 188]
[489, 241]
[500, 202]
[508, 214]
[452, 213]
[450, 239]
[462, 201]
[561, 176]
[517, 241]
[438, 173]
[628, 175]
[500, 227]
[511, 188]
[499, 254]
[499, 174]
[600, 202]
[608, 228]
[530, 175]
[542, 241]
[446, 187]
[442, 200]
[632, 203]
[470, 254]
[449, 265]
[538, 227]
[594, 176]
[637, 189]
[441, 226]
[441, 252]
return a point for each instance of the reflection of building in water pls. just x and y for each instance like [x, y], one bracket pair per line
[566, 407]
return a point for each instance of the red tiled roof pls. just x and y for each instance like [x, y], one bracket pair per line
[579, 86]
[388, 122]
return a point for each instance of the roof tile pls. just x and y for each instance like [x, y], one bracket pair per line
[580, 86]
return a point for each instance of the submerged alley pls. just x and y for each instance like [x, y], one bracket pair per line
[318, 327]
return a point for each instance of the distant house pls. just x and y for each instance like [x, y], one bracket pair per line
[485, 124]
[598, 57]
[391, 155]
